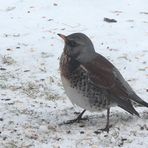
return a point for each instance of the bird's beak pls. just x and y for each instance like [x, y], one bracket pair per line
[63, 37]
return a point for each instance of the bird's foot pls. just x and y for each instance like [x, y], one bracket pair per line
[78, 119]
[75, 120]
[106, 129]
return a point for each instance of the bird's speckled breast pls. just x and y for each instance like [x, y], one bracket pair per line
[79, 88]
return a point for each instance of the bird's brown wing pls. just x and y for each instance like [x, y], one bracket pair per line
[100, 72]
[104, 75]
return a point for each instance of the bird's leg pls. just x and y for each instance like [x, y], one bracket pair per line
[107, 123]
[77, 119]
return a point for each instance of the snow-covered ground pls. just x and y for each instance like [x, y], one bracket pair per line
[32, 100]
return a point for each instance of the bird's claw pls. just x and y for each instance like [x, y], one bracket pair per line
[106, 129]
[75, 120]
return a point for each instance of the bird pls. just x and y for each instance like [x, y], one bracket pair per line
[91, 81]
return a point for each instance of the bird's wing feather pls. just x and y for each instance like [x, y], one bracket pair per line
[104, 75]
[101, 72]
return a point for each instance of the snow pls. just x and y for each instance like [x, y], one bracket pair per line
[32, 100]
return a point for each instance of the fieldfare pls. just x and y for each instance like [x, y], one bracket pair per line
[91, 81]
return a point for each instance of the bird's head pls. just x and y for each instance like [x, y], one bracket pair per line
[79, 47]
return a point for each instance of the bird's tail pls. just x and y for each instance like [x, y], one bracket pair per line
[127, 105]
[138, 100]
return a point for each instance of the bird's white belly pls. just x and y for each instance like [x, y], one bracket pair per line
[76, 97]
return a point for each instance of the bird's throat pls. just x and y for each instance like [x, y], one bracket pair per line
[68, 65]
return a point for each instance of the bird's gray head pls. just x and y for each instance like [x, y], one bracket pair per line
[79, 47]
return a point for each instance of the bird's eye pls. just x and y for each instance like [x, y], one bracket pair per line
[73, 44]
